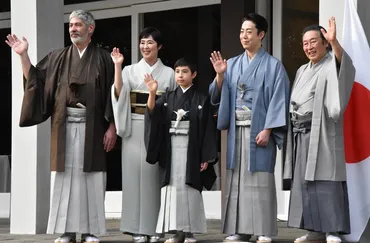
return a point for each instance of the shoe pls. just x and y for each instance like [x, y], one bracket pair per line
[65, 239]
[154, 239]
[332, 239]
[139, 238]
[312, 237]
[190, 240]
[233, 238]
[89, 239]
[264, 239]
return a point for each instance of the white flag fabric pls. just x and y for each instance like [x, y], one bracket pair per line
[357, 123]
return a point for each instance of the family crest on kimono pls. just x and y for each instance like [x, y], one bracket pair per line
[315, 167]
[140, 180]
[183, 141]
[252, 92]
[72, 86]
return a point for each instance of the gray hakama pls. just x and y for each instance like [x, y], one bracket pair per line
[250, 203]
[78, 197]
[320, 206]
[140, 184]
[182, 206]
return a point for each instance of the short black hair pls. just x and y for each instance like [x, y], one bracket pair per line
[151, 31]
[316, 27]
[259, 21]
[185, 62]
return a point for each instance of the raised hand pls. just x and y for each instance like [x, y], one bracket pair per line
[117, 57]
[219, 64]
[331, 34]
[150, 83]
[19, 46]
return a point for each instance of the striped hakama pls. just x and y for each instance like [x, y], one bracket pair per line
[77, 197]
[182, 206]
[250, 198]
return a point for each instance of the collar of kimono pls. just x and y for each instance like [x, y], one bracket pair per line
[186, 89]
[144, 67]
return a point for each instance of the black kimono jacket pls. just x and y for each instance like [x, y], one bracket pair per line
[202, 135]
[45, 95]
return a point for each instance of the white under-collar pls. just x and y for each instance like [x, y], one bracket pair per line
[81, 52]
[151, 68]
[184, 90]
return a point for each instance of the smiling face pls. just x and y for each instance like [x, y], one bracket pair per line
[184, 77]
[249, 37]
[79, 32]
[314, 47]
[149, 48]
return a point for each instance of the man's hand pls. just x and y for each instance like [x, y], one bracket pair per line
[219, 64]
[331, 34]
[203, 166]
[263, 138]
[19, 46]
[110, 137]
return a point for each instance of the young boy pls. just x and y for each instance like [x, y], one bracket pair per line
[183, 140]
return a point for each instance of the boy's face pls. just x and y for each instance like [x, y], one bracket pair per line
[184, 77]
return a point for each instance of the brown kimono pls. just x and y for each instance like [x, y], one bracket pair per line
[46, 94]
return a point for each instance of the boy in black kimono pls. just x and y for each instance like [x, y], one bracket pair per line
[183, 140]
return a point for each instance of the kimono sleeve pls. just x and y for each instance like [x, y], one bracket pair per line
[38, 98]
[209, 145]
[277, 112]
[155, 130]
[209, 151]
[340, 79]
[122, 106]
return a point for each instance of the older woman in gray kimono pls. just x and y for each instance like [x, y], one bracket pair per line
[141, 186]
[315, 155]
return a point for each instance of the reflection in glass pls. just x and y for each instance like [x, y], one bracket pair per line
[296, 16]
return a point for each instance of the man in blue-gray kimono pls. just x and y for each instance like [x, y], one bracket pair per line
[252, 91]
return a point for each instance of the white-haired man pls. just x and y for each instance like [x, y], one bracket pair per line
[72, 86]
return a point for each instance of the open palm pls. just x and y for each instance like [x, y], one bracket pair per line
[219, 64]
[331, 34]
[117, 57]
[150, 83]
[19, 46]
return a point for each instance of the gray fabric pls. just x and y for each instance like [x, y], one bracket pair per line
[4, 174]
[320, 206]
[141, 185]
[325, 159]
[182, 206]
[78, 197]
[250, 203]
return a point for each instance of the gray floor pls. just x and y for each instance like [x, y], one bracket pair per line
[285, 234]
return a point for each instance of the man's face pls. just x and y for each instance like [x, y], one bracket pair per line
[184, 77]
[313, 46]
[79, 31]
[250, 40]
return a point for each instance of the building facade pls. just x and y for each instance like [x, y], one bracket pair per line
[192, 28]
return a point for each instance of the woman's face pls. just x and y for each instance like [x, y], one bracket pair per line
[149, 48]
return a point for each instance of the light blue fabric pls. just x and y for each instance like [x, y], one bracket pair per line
[270, 98]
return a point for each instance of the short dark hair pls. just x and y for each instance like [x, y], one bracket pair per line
[259, 21]
[316, 27]
[184, 62]
[151, 31]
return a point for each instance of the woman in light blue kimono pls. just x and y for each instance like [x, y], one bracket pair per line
[252, 91]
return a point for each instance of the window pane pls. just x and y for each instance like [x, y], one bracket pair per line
[296, 16]
[5, 5]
